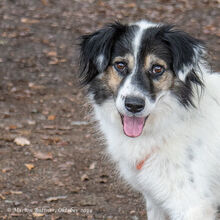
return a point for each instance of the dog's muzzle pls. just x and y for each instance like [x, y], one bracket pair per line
[133, 125]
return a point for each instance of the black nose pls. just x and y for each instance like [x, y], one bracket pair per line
[134, 104]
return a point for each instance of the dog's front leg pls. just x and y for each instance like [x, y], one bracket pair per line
[154, 212]
[201, 214]
[197, 213]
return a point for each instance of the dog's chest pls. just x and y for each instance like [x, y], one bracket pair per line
[175, 166]
[157, 172]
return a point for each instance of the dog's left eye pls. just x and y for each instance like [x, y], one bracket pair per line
[121, 67]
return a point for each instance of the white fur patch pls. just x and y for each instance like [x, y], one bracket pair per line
[128, 89]
[143, 25]
[100, 61]
[175, 182]
[182, 74]
[181, 180]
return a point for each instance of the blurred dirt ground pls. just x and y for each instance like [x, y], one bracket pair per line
[58, 171]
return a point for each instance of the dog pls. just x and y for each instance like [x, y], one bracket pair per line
[157, 102]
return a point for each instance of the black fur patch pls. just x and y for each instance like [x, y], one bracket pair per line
[183, 91]
[94, 45]
[181, 45]
[176, 48]
[99, 91]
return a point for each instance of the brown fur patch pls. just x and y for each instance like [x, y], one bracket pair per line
[111, 77]
[166, 80]
[152, 59]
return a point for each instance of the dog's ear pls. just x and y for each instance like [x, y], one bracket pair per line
[186, 51]
[96, 51]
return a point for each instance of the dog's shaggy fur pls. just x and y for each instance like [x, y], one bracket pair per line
[158, 106]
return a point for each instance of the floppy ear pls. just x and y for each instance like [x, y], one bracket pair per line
[186, 51]
[96, 51]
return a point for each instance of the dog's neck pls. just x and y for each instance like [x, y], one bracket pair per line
[141, 163]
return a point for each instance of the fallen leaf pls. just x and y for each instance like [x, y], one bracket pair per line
[84, 177]
[7, 138]
[45, 41]
[12, 127]
[51, 140]
[21, 141]
[34, 202]
[92, 166]
[36, 214]
[6, 169]
[30, 166]
[54, 61]
[45, 2]
[43, 156]
[2, 197]
[50, 127]
[54, 24]
[75, 189]
[109, 217]
[15, 214]
[55, 198]
[51, 117]
[62, 60]
[45, 112]
[16, 192]
[103, 180]
[12, 35]
[29, 21]
[120, 196]
[65, 128]
[131, 5]
[31, 122]
[34, 86]
[52, 54]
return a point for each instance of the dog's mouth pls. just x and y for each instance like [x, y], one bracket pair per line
[133, 126]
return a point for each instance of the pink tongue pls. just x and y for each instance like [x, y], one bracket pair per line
[133, 126]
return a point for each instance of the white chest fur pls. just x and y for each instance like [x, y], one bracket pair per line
[185, 146]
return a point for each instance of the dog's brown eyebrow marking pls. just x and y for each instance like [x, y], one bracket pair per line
[151, 59]
[166, 80]
[112, 78]
[128, 58]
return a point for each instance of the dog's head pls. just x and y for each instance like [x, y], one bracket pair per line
[137, 65]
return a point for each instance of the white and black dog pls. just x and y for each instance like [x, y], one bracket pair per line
[158, 106]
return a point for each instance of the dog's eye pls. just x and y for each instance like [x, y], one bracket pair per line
[121, 67]
[157, 70]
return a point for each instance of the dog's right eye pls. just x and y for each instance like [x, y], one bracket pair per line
[121, 67]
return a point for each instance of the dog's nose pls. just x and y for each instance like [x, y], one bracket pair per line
[134, 104]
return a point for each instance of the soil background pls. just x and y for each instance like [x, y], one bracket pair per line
[58, 170]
